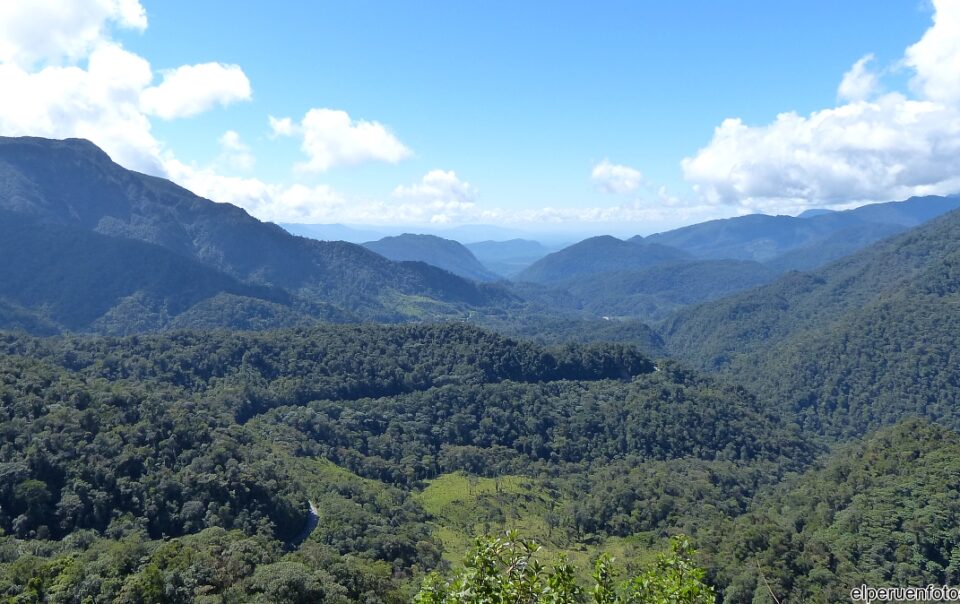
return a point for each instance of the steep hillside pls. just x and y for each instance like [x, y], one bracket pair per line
[596, 255]
[443, 253]
[73, 183]
[746, 322]
[652, 294]
[833, 247]
[884, 512]
[861, 343]
[75, 279]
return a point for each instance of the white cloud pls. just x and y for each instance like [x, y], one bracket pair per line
[889, 147]
[267, 201]
[439, 185]
[53, 31]
[230, 141]
[282, 126]
[441, 195]
[71, 79]
[332, 138]
[440, 198]
[234, 153]
[859, 83]
[99, 103]
[936, 57]
[189, 90]
[614, 178]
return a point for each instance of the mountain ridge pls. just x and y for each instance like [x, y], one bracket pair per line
[600, 254]
[765, 238]
[74, 183]
[447, 254]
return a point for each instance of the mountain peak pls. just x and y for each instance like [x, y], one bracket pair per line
[72, 183]
[447, 254]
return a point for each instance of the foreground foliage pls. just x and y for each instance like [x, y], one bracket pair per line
[501, 570]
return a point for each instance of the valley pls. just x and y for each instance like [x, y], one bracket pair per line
[184, 388]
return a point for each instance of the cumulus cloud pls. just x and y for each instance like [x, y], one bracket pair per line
[332, 138]
[859, 83]
[439, 185]
[100, 103]
[936, 57]
[55, 31]
[193, 89]
[73, 80]
[282, 126]
[439, 198]
[267, 201]
[234, 153]
[614, 178]
[870, 148]
[442, 195]
[298, 203]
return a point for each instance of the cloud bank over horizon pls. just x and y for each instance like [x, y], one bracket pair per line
[873, 146]
[74, 79]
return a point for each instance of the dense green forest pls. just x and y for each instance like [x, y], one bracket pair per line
[140, 463]
[857, 345]
[312, 465]
[189, 467]
[881, 512]
[713, 334]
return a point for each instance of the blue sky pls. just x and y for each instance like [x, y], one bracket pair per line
[538, 115]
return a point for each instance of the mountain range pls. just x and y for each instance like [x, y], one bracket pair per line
[73, 185]
[190, 262]
[848, 347]
[217, 418]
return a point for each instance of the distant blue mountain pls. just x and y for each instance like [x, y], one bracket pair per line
[443, 253]
[814, 212]
[332, 232]
[507, 258]
[599, 255]
[765, 238]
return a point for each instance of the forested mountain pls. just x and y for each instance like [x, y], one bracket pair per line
[255, 275]
[801, 302]
[443, 253]
[764, 238]
[73, 183]
[165, 468]
[66, 277]
[599, 255]
[507, 258]
[858, 344]
[652, 293]
[833, 247]
[884, 512]
[650, 278]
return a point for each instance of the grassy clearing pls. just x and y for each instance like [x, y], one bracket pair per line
[466, 507]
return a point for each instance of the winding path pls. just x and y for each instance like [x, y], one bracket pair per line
[313, 519]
